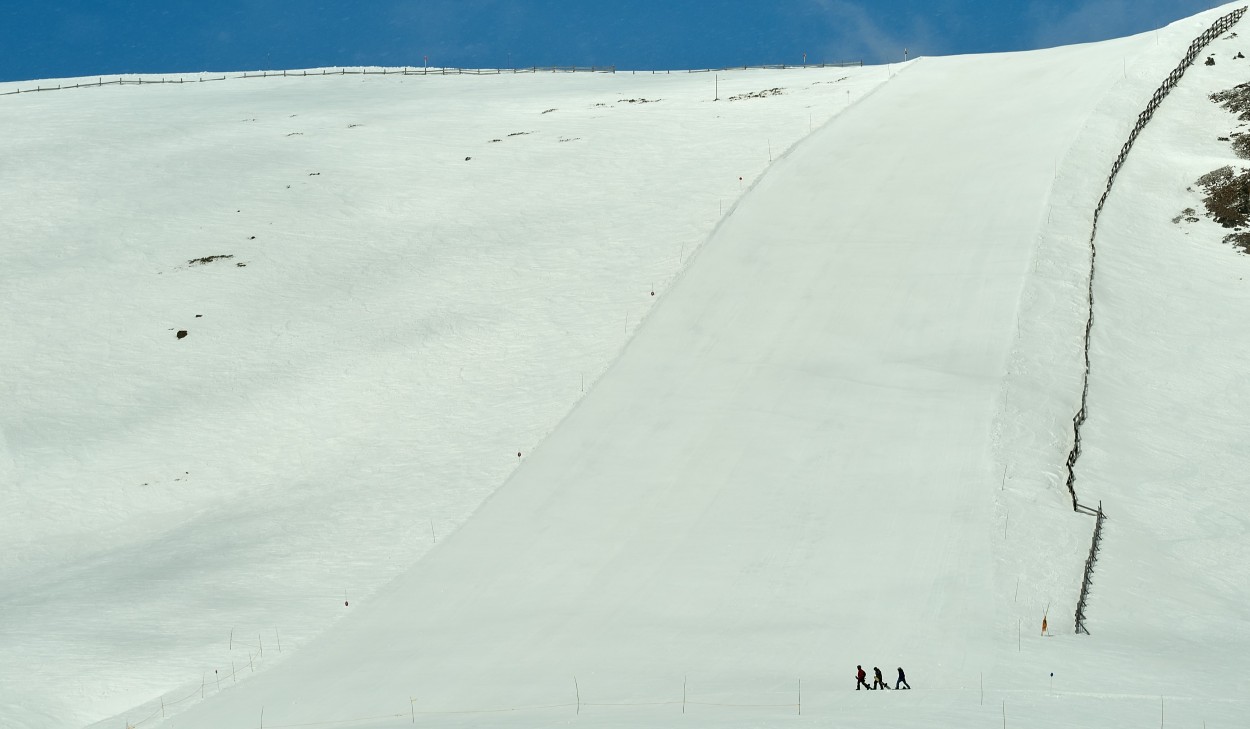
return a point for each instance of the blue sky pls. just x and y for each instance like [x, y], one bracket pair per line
[55, 39]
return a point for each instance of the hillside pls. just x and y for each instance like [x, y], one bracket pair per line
[376, 326]
[602, 423]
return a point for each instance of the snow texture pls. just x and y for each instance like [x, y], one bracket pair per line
[506, 402]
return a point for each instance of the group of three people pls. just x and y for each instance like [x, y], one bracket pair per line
[877, 681]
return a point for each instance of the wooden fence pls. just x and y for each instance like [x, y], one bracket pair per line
[400, 71]
[1218, 28]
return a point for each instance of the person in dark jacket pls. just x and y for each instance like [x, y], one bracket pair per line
[859, 679]
[902, 679]
[877, 681]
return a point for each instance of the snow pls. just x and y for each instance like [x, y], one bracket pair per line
[834, 436]
[405, 323]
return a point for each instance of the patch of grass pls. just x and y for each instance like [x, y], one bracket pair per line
[1241, 145]
[1240, 241]
[1228, 196]
[1228, 203]
[1236, 100]
[1189, 215]
[208, 259]
[758, 94]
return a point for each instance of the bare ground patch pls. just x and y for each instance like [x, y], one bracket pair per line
[1227, 202]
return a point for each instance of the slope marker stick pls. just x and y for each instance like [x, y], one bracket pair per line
[578, 691]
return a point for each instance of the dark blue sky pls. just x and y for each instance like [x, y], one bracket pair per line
[54, 38]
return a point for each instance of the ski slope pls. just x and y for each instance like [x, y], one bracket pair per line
[404, 323]
[836, 438]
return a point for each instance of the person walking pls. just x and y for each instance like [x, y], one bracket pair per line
[859, 679]
[902, 679]
[877, 680]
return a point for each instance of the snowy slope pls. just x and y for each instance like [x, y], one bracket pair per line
[397, 323]
[837, 438]
[1170, 419]
[791, 466]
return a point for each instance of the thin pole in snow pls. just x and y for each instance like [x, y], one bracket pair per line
[278, 638]
[800, 697]
[578, 691]
[432, 535]
[683, 694]
[983, 689]
[1004, 713]
[412, 708]
[716, 88]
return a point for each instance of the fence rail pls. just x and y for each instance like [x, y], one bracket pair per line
[400, 71]
[1088, 577]
[1218, 28]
